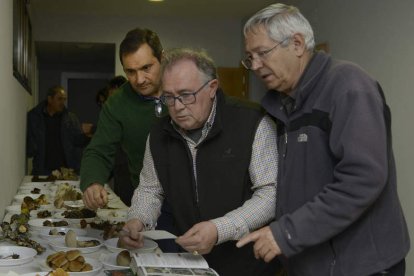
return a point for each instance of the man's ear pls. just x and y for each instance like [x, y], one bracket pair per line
[299, 45]
[214, 84]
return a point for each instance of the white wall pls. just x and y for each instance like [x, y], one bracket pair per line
[220, 37]
[379, 36]
[13, 107]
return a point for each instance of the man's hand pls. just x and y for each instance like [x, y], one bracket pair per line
[95, 196]
[200, 238]
[130, 237]
[265, 246]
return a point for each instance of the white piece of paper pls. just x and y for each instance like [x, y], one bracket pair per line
[158, 235]
[178, 260]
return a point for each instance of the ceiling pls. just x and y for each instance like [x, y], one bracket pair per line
[72, 53]
[171, 8]
[75, 53]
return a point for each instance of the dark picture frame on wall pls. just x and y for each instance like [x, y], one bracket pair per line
[324, 46]
[22, 44]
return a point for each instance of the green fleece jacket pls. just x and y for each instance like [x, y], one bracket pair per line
[125, 119]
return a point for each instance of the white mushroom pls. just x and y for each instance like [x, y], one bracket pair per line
[123, 258]
[70, 239]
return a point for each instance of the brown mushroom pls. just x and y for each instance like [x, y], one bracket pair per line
[123, 258]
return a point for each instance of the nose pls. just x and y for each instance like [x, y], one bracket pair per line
[140, 77]
[178, 105]
[256, 64]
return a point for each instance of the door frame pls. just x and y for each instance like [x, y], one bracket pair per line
[66, 76]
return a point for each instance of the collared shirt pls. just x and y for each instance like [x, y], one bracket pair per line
[288, 103]
[254, 213]
[192, 145]
[157, 103]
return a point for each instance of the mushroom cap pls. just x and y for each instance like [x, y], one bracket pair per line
[70, 239]
[123, 258]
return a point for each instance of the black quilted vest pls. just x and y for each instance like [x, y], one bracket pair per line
[223, 182]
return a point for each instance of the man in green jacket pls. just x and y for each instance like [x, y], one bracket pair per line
[126, 117]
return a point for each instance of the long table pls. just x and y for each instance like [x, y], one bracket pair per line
[34, 266]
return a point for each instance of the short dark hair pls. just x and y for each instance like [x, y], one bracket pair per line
[52, 91]
[116, 82]
[137, 37]
[113, 83]
[103, 92]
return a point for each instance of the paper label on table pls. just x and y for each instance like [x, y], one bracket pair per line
[158, 235]
[177, 260]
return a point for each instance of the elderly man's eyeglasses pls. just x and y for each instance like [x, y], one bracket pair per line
[261, 55]
[185, 98]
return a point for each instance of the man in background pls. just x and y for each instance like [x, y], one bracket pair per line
[108, 90]
[54, 136]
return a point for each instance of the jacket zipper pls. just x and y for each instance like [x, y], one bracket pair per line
[333, 262]
[286, 143]
[282, 145]
[195, 177]
[193, 163]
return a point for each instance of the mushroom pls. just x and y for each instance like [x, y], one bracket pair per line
[70, 239]
[89, 243]
[123, 258]
[59, 202]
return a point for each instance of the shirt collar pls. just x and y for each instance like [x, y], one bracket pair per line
[147, 98]
[206, 128]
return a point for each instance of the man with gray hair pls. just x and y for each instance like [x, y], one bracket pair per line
[214, 160]
[337, 210]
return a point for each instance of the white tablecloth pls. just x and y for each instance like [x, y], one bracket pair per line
[34, 266]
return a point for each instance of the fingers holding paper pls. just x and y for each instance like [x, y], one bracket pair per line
[200, 238]
[265, 246]
[130, 236]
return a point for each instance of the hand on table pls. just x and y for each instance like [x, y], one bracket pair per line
[265, 246]
[130, 236]
[95, 196]
[200, 238]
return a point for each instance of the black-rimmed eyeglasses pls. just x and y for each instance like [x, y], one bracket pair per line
[185, 98]
[261, 55]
